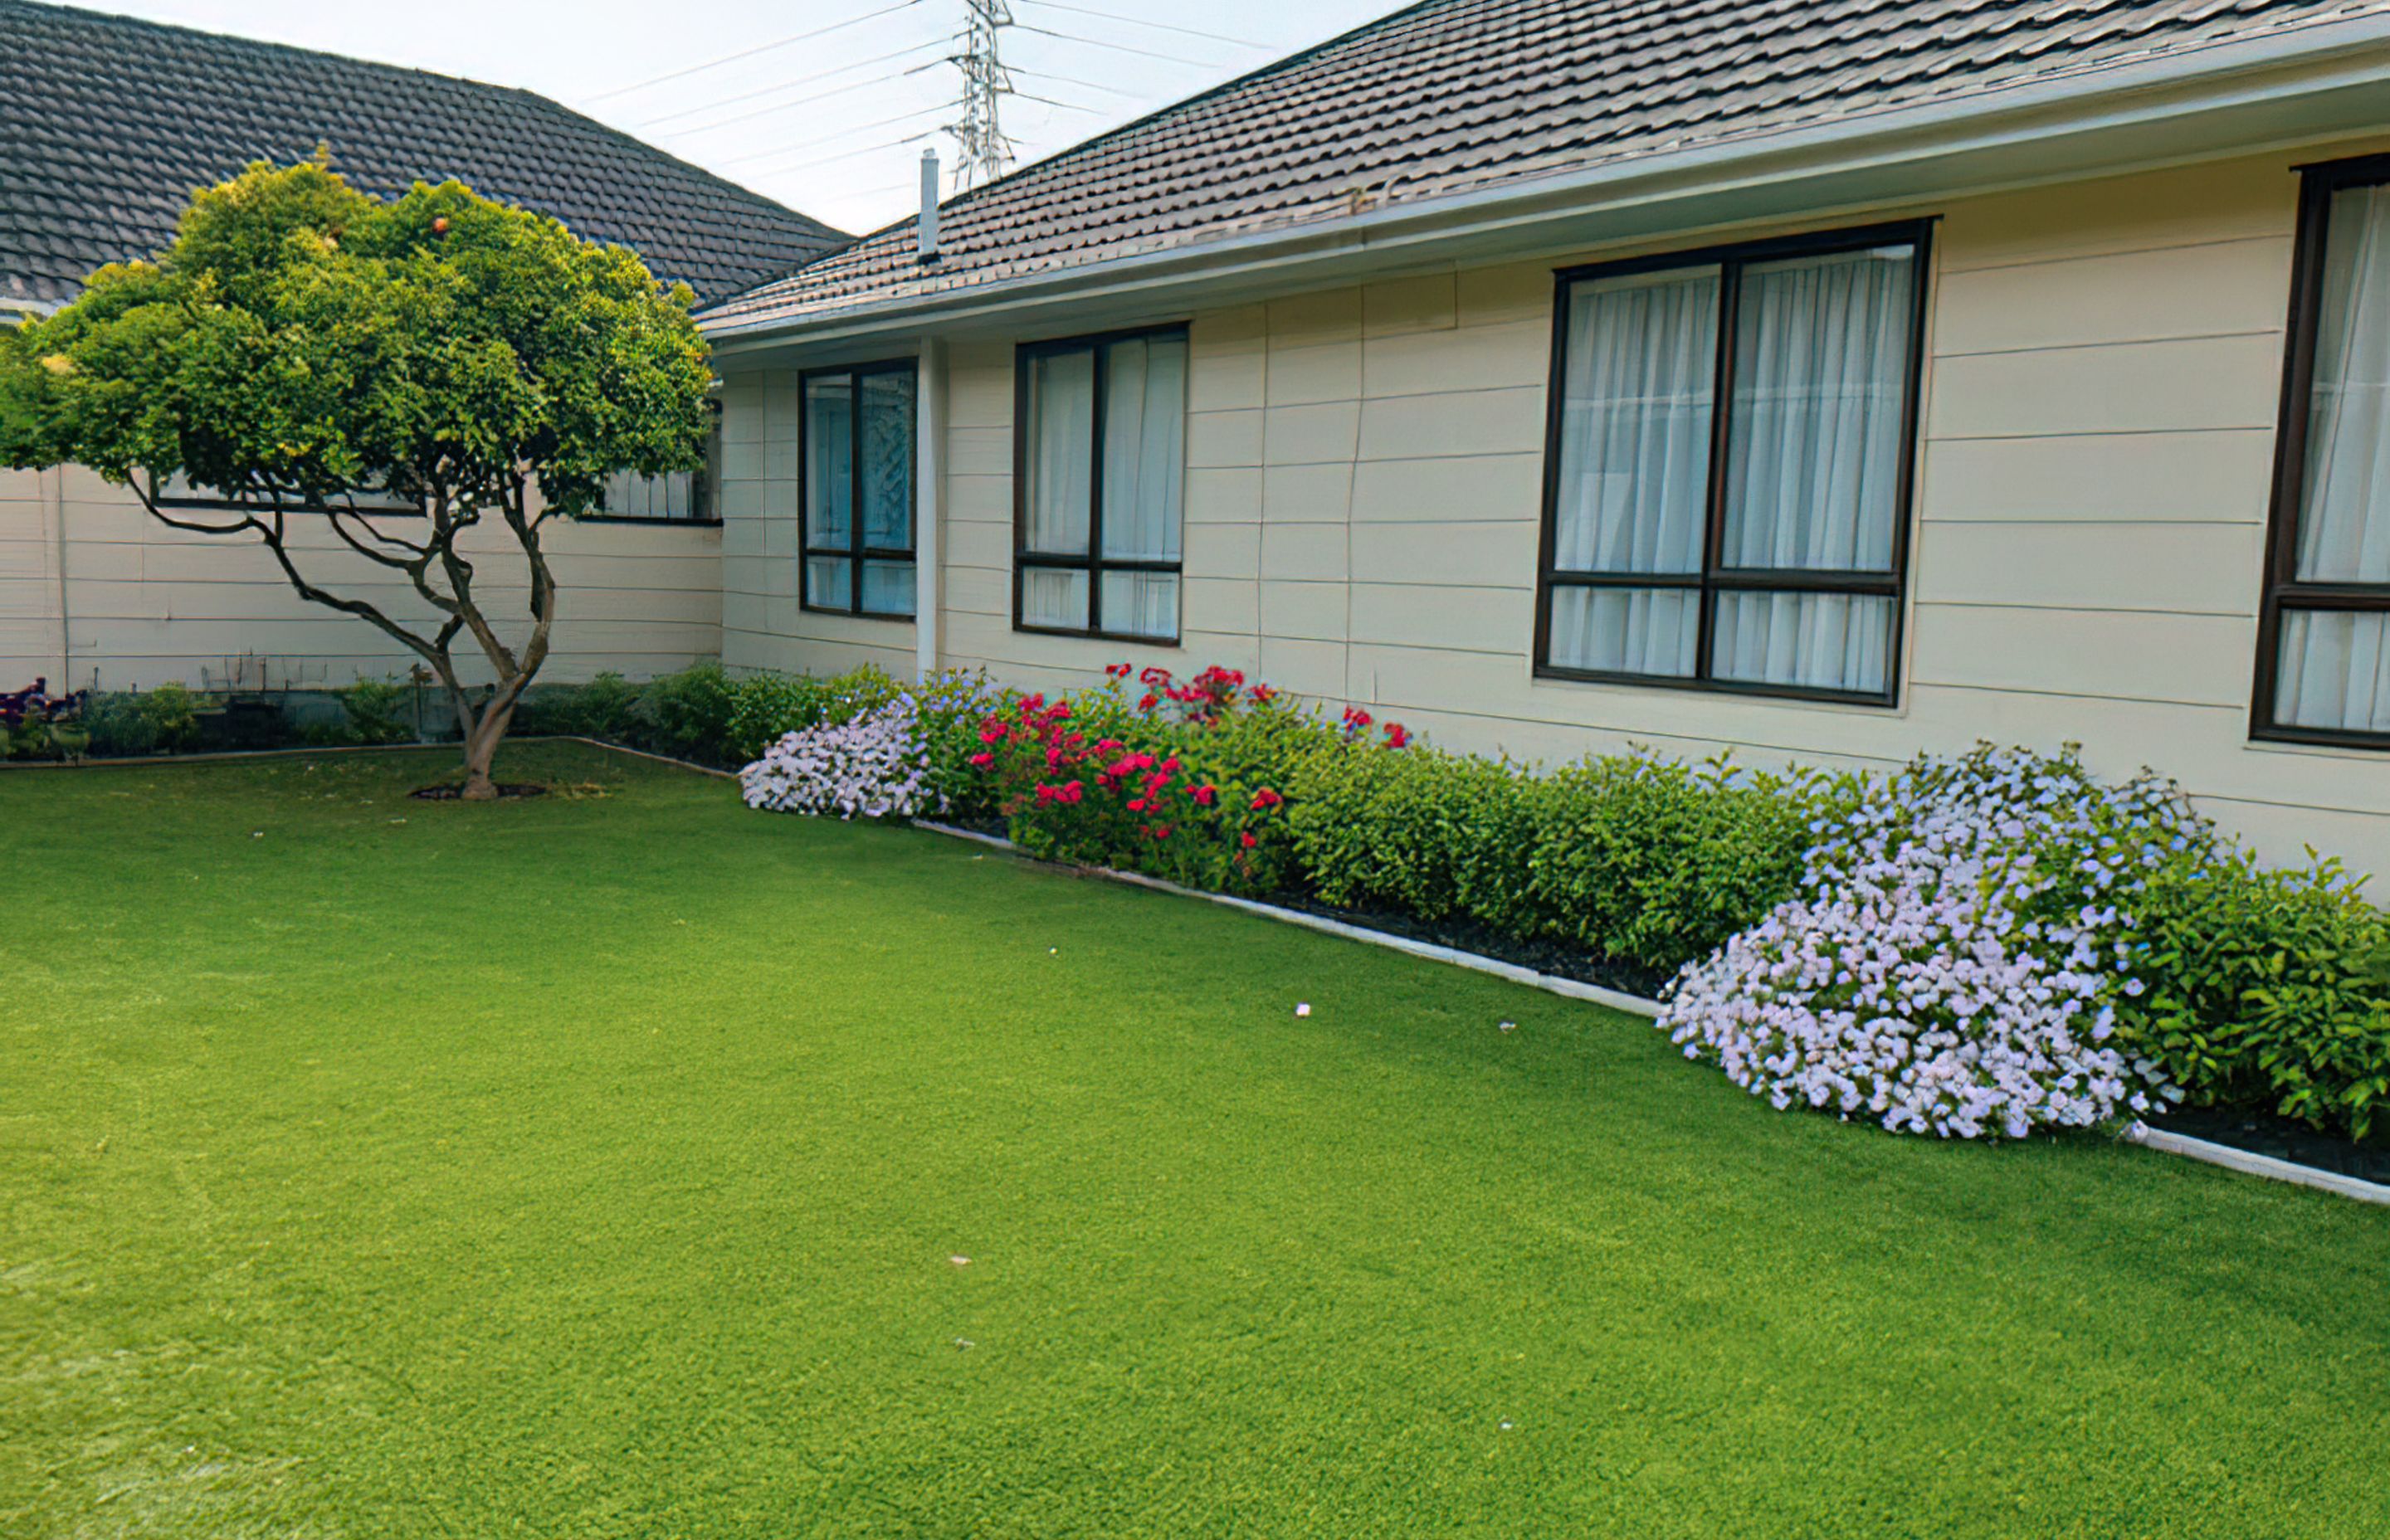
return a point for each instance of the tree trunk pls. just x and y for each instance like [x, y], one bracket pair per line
[481, 740]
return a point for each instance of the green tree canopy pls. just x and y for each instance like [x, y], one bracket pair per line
[300, 340]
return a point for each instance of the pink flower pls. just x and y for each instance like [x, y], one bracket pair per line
[982, 761]
[1266, 798]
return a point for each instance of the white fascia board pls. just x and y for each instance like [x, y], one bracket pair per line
[2298, 86]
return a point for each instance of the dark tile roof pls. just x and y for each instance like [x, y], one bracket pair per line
[1454, 95]
[107, 126]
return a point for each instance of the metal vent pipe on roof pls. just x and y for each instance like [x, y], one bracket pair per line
[926, 230]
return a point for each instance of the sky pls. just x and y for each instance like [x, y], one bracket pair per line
[831, 124]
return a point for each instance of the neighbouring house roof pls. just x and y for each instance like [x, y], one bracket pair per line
[109, 124]
[1453, 97]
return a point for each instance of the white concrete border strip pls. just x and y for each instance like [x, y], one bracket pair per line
[2251, 1163]
[1634, 1005]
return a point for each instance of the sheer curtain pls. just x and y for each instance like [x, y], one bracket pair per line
[1633, 468]
[1061, 435]
[1814, 451]
[888, 448]
[2335, 667]
[829, 491]
[1144, 472]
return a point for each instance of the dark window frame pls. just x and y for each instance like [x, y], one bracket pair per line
[1714, 578]
[856, 552]
[2284, 590]
[251, 504]
[707, 487]
[1095, 564]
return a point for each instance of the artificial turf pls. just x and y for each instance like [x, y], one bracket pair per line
[606, 1165]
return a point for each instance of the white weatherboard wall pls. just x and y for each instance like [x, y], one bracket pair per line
[1364, 492]
[144, 603]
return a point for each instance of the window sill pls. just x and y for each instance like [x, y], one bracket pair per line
[635, 518]
[857, 614]
[2321, 742]
[1884, 702]
[1122, 637]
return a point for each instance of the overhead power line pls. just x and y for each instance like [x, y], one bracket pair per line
[833, 138]
[766, 111]
[1158, 26]
[751, 52]
[777, 87]
[1100, 43]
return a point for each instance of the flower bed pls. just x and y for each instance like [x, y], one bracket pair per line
[1972, 947]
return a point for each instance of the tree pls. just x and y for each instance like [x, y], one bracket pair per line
[301, 345]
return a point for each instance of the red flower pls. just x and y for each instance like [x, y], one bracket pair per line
[1204, 795]
[1071, 792]
[1247, 840]
[1265, 798]
[1031, 705]
[1397, 735]
[992, 733]
[982, 761]
[1265, 692]
[1154, 676]
[1050, 794]
[1162, 831]
[1053, 759]
[1355, 717]
[1116, 671]
[1149, 701]
[1136, 804]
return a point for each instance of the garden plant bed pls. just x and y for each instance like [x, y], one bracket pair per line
[1555, 958]
[2263, 1132]
[637, 1164]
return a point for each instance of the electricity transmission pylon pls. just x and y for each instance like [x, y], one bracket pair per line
[983, 152]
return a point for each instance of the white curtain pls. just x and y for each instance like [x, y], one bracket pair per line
[1145, 447]
[1813, 452]
[1145, 477]
[829, 465]
[888, 450]
[1634, 467]
[2335, 668]
[1061, 435]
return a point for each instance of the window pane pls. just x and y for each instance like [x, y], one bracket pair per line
[2335, 671]
[888, 587]
[1654, 631]
[1061, 439]
[1141, 604]
[828, 582]
[1055, 597]
[888, 462]
[1814, 442]
[2345, 523]
[1640, 367]
[829, 461]
[1815, 641]
[1145, 449]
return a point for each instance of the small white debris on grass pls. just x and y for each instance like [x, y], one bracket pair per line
[1510, 1026]
[960, 1261]
[257, 834]
[1505, 1427]
[963, 1344]
[1304, 1009]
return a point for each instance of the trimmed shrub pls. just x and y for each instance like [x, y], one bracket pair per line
[373, 708]
[2266, 988]
[686, 714]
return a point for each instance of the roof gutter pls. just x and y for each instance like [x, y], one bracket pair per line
[2307, 84]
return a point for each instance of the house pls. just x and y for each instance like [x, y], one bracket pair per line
[110, 124]
[1816, 380]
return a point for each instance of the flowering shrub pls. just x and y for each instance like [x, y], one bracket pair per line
[1954, 961]
[1159, 787]
[874, 765]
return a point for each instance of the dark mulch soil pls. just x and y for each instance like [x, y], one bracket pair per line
[1560, 961]
[507, 791]
[2265, 1133]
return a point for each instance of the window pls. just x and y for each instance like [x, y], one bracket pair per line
[2323, 664]
[178, 491]
[682, 496]
[1762, 547]
[856, 472]
[1101, 456]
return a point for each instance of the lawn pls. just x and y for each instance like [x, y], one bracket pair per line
[606, 1165]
